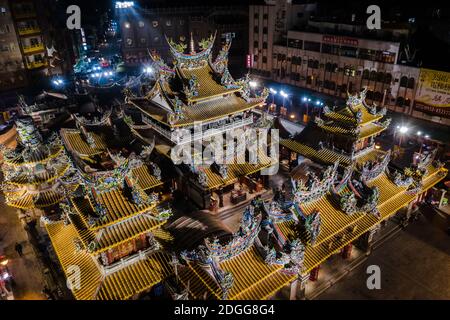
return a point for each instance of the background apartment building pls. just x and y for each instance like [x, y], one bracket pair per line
[12, 71]
[33, 42]
[333, 57]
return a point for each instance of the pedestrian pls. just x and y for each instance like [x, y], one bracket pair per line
[19, 249]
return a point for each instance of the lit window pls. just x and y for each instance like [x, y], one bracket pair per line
[168, 23]
[129, 41]
[141, 24]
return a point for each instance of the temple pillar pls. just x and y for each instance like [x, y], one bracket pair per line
[298, 287]
[293, 291]
[314, 275]
[347, 251]
[265, 180]
[220, 192]
[408, 212]
[365, 241]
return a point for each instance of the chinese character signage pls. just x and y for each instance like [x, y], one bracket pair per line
[340, 40]
[433, 93]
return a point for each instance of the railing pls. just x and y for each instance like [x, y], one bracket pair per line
[164, 132]
[33, 48]
[223, 128]
[29, 30]
[200, 135]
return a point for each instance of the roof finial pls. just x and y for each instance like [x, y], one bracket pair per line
[192, 45]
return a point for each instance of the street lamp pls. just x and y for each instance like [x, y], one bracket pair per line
[253, 84]
[273, 92]
[284, 95]
[402, 130]
[148, 70]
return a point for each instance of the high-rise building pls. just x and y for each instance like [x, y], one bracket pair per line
[290, 44]
[33, 44]
[12, 72]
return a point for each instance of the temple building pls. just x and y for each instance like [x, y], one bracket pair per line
[342, 186]
[198, 93]
[126, 221]
[111, 225]
[37, 173]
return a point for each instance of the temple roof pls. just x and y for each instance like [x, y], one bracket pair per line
[196, 89]
[206, 110]
[25, 199]
[74, 141]
[116, 234]
[254, 279]
[338, 228]
[118, 208]
[355, 113]
[132, 279]
[28, 156]
[209, 87]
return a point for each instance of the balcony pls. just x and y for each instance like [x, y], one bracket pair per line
[24, 31]
[33, 48]
[36, 64]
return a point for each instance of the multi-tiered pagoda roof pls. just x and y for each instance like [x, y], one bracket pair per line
[37, 173]
[335, 135]
[195, 88]
[356, 189]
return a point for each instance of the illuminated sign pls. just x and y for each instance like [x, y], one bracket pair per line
[340, 40]
[433, 93]
[124, 4]
[249, 61]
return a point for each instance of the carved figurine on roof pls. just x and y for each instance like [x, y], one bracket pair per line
[192, 59]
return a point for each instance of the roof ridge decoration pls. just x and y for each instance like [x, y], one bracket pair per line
[202, 178]
[361, 198]
[291, 254]
[244, 84]
[241, 240]
[27, 132]
[372, 169]
[193, 59]
[220, 64]
[314, 188]
[158, 62]
[191, 90]
[83, 121]
[357, 99]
